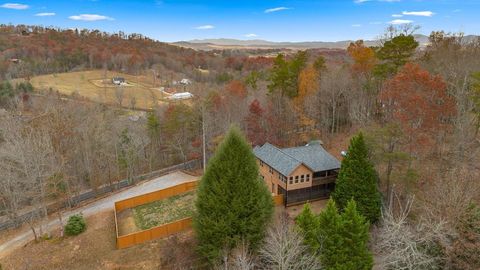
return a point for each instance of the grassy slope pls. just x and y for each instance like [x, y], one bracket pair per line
[87, 84]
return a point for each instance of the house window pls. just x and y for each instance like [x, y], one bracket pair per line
[296, 179]
[308, 178]
[291, 180]
[302, 178]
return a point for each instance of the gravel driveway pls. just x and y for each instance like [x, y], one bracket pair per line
[100, 205]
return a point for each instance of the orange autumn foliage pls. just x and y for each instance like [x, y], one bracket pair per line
[364, 57]
[419, 102]
[236, 89]
[308, 81]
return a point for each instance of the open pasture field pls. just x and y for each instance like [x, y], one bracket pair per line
[96, 85]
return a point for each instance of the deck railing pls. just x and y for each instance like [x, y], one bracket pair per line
[323, 180]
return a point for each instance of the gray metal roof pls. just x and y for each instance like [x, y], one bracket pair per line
[286, 160]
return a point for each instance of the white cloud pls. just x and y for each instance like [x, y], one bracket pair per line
[270, 10]
[400, 21]
[457, 10]
[205, 27]
[397, 15]
[356, 25]
[44, 14]
[251, 35]
[15, 6]
[419, 13]
[90, 17]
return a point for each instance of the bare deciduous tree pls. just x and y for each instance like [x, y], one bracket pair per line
[402, 244]
[284, 249]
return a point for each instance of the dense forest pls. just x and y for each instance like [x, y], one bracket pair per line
[418, 111]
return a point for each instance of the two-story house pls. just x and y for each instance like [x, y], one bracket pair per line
[300, 174]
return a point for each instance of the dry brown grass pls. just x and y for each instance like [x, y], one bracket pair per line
[89, 84]
[95, 249]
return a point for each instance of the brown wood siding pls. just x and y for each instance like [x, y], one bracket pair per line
[299, 171]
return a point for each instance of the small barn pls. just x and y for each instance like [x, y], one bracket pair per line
[118, 80]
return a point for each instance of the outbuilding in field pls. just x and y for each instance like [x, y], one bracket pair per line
[118, 80]
[179, 96]
[185, 82]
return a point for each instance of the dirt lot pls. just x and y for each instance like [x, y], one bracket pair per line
[95, 249]
[91, 84]
[316, 206]
[19, 237]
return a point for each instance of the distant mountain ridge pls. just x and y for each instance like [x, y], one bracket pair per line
[210, 44]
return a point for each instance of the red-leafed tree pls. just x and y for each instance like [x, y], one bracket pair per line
[419, 102]
[236, 89]
[262, 126]
[256, 132]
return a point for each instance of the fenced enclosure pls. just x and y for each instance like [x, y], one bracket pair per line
[75, 200]
[164, 230]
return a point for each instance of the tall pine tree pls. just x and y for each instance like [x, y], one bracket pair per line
[341, 239]
[358, 180]
[233, 203]
[331, 243]
[354, 233]
[307, 223]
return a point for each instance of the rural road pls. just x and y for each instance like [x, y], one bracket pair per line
[100, 205]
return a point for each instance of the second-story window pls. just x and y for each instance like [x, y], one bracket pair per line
[291, 180]
[296, 179]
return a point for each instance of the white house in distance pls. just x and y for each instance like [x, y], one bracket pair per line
[179, 96]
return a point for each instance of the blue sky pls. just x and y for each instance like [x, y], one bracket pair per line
[305, 20]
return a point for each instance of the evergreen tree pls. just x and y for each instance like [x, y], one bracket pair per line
[331, 242]
[341, 238]
[284, 74]
[307, 224]
[354, 234]
[6, 92]
[358, 180]
[394, 54]
[233, 203]
[153, 125]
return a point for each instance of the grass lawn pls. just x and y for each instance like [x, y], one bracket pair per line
[164, 211]
[91, 84]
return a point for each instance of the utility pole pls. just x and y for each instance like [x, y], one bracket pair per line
[203, 139]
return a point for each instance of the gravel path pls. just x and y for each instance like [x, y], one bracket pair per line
[172, 179]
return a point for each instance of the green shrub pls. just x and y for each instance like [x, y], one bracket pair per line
[75, 225]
